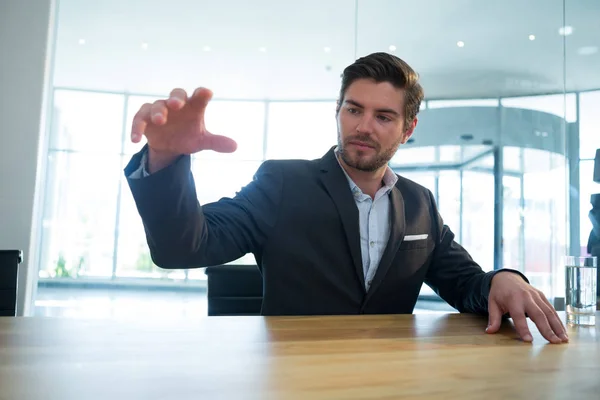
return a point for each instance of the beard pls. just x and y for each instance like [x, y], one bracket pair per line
[363, 160]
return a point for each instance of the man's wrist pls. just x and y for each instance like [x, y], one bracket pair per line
[514, 271]
[158, 159]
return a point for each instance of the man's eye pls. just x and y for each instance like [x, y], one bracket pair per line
[383, 118]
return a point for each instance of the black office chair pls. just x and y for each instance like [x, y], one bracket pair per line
[234, 290]
[9, 267]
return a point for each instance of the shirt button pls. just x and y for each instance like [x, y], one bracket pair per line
[372, 243]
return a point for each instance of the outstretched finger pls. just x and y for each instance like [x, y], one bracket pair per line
[140, 122]
[200, 98]
[177, 99]
[159, 112]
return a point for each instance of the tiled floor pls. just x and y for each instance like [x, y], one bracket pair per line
[134, 304]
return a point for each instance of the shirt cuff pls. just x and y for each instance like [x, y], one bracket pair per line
[141, 172]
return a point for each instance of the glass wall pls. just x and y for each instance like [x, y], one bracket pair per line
[492, 142]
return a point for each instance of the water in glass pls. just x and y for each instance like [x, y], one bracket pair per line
[581, 296]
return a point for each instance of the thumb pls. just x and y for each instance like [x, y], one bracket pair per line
[219, 143]
[495, 317]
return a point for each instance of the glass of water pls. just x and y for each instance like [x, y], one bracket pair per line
[581, 296]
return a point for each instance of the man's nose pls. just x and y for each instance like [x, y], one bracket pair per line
[366, 123]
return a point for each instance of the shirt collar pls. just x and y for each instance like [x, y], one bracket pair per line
[389, 177]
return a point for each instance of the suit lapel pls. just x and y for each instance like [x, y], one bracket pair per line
[397, 231]
[337, 187]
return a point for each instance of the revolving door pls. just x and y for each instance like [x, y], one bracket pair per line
[504, 199]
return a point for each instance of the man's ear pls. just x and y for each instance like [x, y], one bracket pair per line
[409, 131]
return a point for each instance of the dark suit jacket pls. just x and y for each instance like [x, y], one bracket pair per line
[300, 221]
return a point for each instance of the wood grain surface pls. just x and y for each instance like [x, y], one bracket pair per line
[341, 357]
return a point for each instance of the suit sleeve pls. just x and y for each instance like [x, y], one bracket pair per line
[181, 233]
[454, 275]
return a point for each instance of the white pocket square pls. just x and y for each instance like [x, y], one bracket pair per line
[410, 238]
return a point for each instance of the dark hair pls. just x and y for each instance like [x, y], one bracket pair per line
[384, 67]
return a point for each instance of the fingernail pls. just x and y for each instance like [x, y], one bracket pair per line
[564, 337]
[157, 117]
[556, 339]
[527, 338]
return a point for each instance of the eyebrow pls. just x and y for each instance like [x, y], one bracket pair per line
[381, 110]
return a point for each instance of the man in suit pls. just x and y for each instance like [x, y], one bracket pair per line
[339, 235]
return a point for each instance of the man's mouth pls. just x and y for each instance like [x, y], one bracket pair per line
[361, 145]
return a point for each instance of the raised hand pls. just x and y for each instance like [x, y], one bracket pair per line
[176, 126]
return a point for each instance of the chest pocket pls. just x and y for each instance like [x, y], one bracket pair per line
[412, 256]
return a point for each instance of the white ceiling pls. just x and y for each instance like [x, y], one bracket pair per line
[498, 58]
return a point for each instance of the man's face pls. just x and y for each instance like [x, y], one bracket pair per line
[371, 124]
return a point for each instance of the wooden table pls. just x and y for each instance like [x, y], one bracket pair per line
[355, 357]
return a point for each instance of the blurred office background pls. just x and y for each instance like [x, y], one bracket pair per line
[506, 137]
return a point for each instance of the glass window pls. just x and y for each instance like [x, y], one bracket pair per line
[450, 154]
[414, 156]
[512, 157]
[449, 200]
[477, 156]
[220, 178]
[133, 254]
[589, 126]
[79, 215]
[565, 106]
[244, 122]
[84, 121]
[477, 233]
[423, 178]
[587, 187]
[463, 103]
[305, 130]
[544, 217]
[216, 179]
[512, 235]
[457, 154]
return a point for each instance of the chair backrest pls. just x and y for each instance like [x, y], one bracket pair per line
[9, 267]
[234, 290]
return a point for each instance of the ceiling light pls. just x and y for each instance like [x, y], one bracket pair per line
[82, 41]
[262, 49]
[460, 43]
[144, 46]
[587, 50]
[531, 37]
[392, 48]
[565, 30]
[206, 48]
[327, 49]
